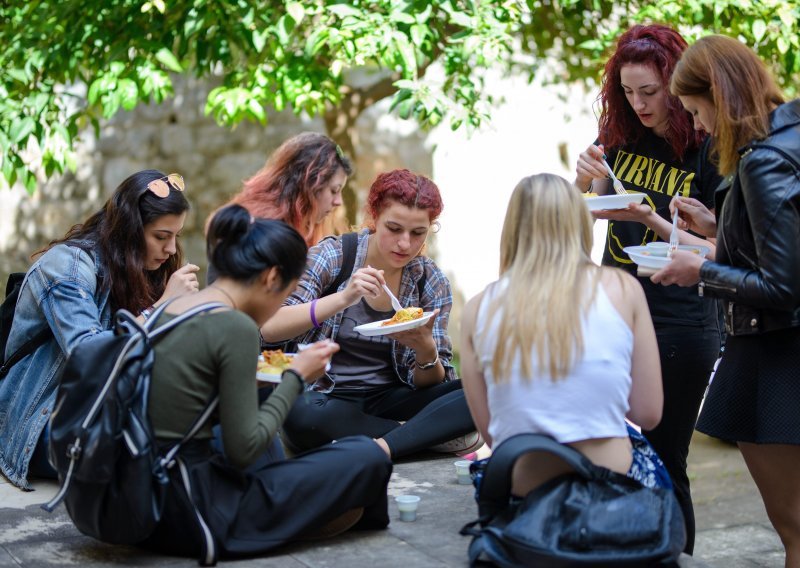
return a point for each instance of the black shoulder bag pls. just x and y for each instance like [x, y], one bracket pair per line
[7, 308]
[589, 517]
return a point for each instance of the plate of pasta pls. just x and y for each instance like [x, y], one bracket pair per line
[407, 318]
[272, 364]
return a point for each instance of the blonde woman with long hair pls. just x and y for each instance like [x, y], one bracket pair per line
[561, 346]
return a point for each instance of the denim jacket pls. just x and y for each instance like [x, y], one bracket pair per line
[61, 290]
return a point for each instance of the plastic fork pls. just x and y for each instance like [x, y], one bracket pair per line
[618, 187]
[673, 235]
[395, 302]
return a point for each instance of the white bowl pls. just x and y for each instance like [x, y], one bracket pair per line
[614, 201]
[644, 256]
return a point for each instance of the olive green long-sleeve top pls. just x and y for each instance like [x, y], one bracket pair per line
[217, 351]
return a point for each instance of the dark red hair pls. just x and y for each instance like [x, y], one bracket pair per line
[660, 48]
[287, 186]
[408, 188]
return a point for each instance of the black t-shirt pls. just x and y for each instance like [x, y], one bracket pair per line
[649, 166]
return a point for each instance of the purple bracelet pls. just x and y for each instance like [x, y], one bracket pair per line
[313, 315]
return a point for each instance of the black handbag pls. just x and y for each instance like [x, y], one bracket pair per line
[590, 517]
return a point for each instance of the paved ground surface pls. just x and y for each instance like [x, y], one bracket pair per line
[733, 529]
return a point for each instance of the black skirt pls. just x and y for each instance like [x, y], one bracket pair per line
[755, 393]
[251, 513]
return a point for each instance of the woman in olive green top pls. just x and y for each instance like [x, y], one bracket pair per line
[250, 512]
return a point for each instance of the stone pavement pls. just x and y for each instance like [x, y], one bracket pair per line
[733, 529]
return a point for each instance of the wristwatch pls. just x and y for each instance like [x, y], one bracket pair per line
[426, 366]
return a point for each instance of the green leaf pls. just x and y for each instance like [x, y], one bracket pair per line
[260, 39]
[783, 45]
[9, 172]
[461, 19]
[128, 93]
[296, 11]
[28, 180]
[343, 10]
[759, 29]
[418, 33]
[94, 91]
[168, 60]
[402, 18]
[257, 110]
[21, 129]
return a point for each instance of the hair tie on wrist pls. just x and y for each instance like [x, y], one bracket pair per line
[314, 315]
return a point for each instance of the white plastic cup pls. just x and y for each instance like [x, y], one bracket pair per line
[658, 248]
[407, 505]
[462, 472]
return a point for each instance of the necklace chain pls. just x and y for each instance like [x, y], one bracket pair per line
[227, 295]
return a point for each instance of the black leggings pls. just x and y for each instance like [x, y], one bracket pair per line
[687, 359]
[432, 415]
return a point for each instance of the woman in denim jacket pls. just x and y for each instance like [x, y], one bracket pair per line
[124, 256]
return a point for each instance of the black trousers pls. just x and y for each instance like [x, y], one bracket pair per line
[432, 415]
[688, 355]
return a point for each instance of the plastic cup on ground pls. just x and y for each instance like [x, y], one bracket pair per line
[407, 505]
[462, 472]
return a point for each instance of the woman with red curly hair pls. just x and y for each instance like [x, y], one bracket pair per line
[300, 184]
[400, 389]
[649, 142]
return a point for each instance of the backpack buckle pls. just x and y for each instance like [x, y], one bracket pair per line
[74, 450]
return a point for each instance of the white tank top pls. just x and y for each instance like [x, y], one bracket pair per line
[590, 402]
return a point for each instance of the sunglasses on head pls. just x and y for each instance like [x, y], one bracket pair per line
[161, 186]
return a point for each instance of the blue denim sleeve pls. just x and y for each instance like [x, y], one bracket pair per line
[65, 287]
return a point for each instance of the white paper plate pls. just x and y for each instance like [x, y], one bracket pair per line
[643, 256]
[375, 328]
[270, 377]
[613, 201]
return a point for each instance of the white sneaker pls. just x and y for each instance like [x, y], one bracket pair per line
[460, 446]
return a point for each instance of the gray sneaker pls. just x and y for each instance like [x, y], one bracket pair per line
[460, 446]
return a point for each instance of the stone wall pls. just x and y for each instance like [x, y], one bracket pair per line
[177, 137]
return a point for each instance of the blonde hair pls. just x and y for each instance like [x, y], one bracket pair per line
[545, 251]
[731, 76]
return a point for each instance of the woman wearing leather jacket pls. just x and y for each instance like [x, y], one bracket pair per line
[753, 399]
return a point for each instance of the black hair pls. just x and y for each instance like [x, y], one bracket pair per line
[241, 247]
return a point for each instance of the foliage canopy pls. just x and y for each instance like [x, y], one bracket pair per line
[65, 64]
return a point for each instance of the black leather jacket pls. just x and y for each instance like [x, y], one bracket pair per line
[757, 268]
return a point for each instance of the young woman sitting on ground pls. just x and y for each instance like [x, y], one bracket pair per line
[560, 346]
[251, 511]
[126, 255]
[400, 388]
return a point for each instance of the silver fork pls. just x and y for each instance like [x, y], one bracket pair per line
[673, 235]
[618, 187]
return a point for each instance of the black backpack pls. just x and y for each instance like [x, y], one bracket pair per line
[13, 288]
[113, 478]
